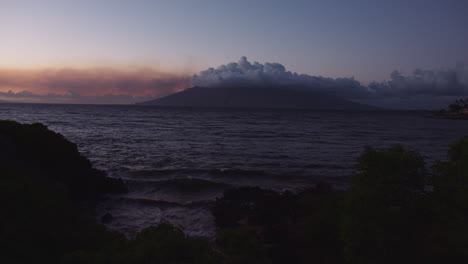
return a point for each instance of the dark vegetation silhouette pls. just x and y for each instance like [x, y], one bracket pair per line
[396, 211]
[47, 195]
[282, 227]
[46, 156]
[456, 110]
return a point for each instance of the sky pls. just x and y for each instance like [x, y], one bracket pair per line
[122, 51]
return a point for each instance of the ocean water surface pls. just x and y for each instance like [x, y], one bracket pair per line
[176, 161]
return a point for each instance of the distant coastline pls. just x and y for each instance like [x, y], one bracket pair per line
[254, 97]
[456, 110]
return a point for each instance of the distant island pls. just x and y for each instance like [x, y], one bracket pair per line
[257, 97]
[456, 110]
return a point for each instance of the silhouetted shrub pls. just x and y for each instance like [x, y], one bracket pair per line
[43, 183]
[166, 244]
[241, 246]
[394, 212]
[40, 224]
[296, 228]
[238, 204]
[381, 223]
[47, 156]
[449, 206]
[456, 110]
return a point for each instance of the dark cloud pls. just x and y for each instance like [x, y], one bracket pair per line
[246, 74]
[449, 82]
[422, 88]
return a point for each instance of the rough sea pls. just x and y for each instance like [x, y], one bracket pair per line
[176, 161]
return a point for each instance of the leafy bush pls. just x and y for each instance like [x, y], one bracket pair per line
[47, 156]
[166, 244]
[44, 183]
[381, 221]
[261, 226]
[241, 246]
[40, 223]
[449, 205]
[394, 212]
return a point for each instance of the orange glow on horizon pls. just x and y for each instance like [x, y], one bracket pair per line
[89, 82]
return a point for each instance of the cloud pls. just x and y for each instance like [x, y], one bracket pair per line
[27, 96]
[422, 88]
[103, 85]
[448, 82]
[246, 74]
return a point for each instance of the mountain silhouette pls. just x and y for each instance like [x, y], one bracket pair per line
[249, 97]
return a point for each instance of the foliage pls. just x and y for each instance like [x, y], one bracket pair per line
[241, 246]
[44, 183]
[237, 203]
[456, 110]
[396, 211]
[297, 228]
[459, 105]
[40, 223]
[393, 176]
[47, 156]
[450, 204]
[166, 244]
[381, 209]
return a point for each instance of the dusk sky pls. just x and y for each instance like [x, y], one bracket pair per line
[125, 51]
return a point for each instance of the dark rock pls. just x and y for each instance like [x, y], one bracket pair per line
[107, 218]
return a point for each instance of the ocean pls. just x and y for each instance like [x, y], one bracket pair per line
[176, 161]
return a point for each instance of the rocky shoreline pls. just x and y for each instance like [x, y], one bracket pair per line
[395, 211]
